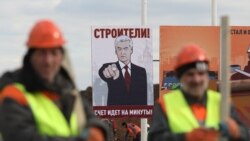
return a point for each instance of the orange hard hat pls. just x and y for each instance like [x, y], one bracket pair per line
[190, 54]
[45, 34]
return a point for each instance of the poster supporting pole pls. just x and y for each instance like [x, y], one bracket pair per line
[214, 12]
[144, 10]
[225, 63]
[144, 121]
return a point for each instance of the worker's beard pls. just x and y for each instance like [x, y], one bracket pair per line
[195, 89]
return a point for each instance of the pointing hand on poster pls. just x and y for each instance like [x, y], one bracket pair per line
[111, 71]
[114, 68]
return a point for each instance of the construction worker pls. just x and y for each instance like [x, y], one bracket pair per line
[192, 113]
[39, 102]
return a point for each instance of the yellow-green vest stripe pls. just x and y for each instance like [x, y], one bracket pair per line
[180, 115]
[50, 121]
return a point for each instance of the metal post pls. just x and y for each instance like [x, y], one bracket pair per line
[214, 12]
[225, 63]
[144, 121]
[144, 10]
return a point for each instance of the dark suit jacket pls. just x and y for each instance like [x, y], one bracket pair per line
[239, 76]
[117, 92]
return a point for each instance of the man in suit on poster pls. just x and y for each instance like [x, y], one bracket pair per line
[127, 82]
[239, 76]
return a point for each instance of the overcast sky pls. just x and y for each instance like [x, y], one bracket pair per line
[75, 18]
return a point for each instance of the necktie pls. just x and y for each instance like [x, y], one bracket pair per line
[127, 78]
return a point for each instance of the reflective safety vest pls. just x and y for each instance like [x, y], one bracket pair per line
[180, 116]
[49, 119]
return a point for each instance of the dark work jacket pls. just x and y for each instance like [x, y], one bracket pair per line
[117, 92]
[160, 128]
[17, 122]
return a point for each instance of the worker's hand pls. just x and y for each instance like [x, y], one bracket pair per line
[233, 128]
[95, 134]
[203, 134]
[111, 71]
[211, 135]
[230, 128]
[197, 134]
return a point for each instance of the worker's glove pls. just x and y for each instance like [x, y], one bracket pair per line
[203, 134]
[95, 130]
[195, 135]
[211, 135]
[92, 134]
[95, 134]
[230, 128]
